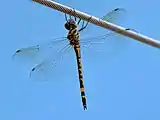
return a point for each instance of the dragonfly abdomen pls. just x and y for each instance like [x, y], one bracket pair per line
[79, 63]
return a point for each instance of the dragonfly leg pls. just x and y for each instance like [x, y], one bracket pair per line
[83, 27]
[75, 18]
[79, 21]
[69, 16]
[66, 17]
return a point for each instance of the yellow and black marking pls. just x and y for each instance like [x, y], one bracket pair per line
[79, 63]
[73, 37]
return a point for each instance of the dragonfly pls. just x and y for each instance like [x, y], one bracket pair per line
[72, 41]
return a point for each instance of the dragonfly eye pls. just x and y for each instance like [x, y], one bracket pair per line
[71, 24]
[67, 26]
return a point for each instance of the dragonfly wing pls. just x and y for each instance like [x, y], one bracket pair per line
[105, 41]
[43, 58]
[34, 54]
[116, 16]
[48, 68]
[109, 44]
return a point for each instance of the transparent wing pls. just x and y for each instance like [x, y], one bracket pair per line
[49, 68]
[110, 45]
[43, 58]
[116, 16]
[103, 41]
[33, 54]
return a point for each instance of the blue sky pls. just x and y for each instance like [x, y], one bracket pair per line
[123, 87]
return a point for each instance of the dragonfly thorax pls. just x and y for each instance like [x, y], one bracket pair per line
[70, 24]
[73, 37]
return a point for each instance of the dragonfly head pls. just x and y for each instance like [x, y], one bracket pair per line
[70, 24]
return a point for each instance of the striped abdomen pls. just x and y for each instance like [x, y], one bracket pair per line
[79, 63]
